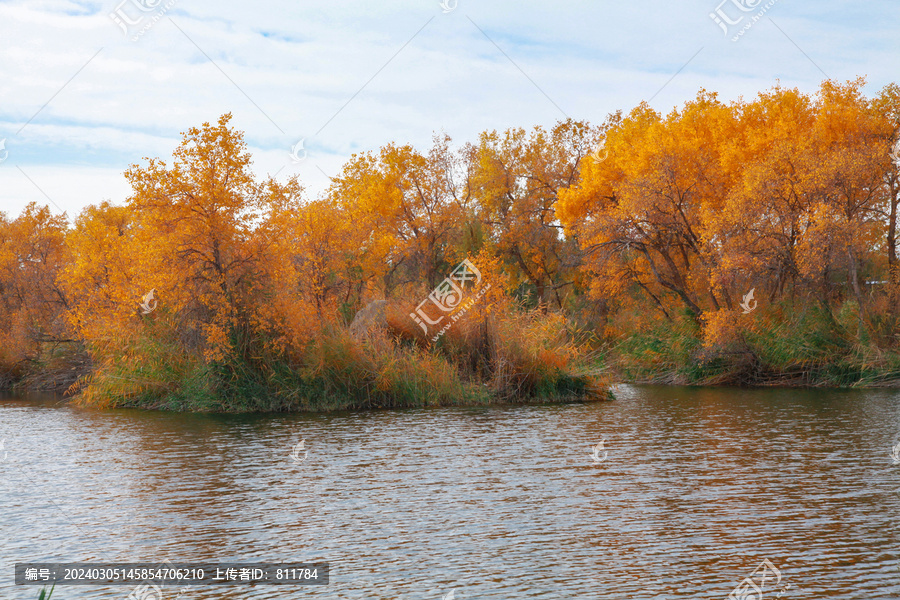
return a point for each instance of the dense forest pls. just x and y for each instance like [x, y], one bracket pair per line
[745, 242]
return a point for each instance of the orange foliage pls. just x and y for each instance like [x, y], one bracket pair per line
[781, 194]
[788, 193]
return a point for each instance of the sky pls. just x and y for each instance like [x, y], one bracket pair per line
[89, 88]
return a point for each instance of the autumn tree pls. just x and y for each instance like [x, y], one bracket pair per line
[32, 253]
[516, 180]
[198, 233]
[642, 213]
[410, 205]
[887, 108]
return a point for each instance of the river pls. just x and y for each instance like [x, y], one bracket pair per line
[692, 490]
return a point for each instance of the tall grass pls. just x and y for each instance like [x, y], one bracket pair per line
[146, 368]
[44, 594]
[653, 351]
[340, 371]
[520, 356]
[781, 344]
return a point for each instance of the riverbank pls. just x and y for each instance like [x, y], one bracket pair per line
[521, 358]
[210, 289]
[782, 345]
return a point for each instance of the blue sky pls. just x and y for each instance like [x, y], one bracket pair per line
[82, 98]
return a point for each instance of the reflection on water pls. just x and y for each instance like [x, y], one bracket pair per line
[698, 487]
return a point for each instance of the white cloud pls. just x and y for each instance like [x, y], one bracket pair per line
[290, 67]
[62, 188]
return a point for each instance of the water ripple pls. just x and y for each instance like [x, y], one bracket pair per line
[698, 487]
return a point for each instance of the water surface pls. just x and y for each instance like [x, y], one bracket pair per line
[698, 487]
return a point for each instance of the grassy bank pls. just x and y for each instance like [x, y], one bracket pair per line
[523, 356]
[520, 358]
[781, 345]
